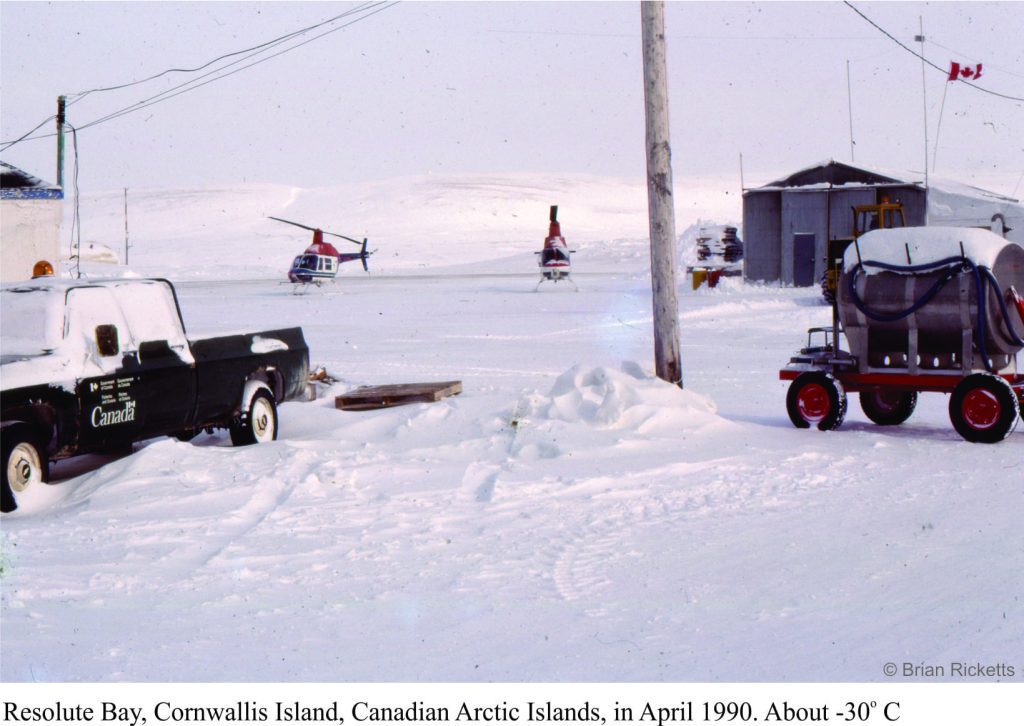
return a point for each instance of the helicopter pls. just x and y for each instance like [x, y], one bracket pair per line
[321, 260]
[555, 259]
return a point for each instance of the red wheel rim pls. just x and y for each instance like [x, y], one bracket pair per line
[813, 403]
[980, 409]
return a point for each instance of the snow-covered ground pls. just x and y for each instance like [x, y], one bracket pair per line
[568, 517]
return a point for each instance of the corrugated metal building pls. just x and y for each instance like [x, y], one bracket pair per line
[786, 224]
[30, 217]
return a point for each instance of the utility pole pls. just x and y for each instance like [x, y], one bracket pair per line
[60, 140]
[924, 102]
[126, 226]
[668, 365]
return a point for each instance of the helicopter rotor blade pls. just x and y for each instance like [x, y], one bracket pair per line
[335, 234]
[313, 229]
[294, 224]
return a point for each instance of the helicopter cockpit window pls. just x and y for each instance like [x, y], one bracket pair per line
[553, 254]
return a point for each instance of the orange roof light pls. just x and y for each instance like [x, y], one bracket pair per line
[42, 269]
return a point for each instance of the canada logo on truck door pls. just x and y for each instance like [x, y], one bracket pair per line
[123, 414]
[116, 405]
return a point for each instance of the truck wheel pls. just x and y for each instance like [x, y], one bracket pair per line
[24, 466]
[983, 408]
[258, 424]
[817, 399]
[888, 408]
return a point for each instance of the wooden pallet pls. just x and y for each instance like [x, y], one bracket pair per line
[366, 398]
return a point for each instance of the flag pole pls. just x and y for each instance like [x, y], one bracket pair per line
[849, 103]
[938, 128]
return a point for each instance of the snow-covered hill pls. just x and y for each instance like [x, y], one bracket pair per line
[414, 223]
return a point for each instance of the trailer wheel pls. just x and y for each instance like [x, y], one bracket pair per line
[983, 408]
[816, 399]
[25, 466]
[258, 424]
[888, 408]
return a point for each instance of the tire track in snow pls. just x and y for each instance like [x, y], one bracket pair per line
[592, 545]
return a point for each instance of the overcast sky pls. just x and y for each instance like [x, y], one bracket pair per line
[440, 87]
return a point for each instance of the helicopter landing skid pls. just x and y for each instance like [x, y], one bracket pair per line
[300, 288]
[555, 280]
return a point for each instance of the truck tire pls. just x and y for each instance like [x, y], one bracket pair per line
[258, 424]
[888, 408]
[818, 399]
[25, 465]
[983, 408]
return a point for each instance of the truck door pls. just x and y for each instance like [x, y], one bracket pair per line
[165, 367]
[109, 413]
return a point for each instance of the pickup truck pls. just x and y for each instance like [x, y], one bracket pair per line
[95, 365]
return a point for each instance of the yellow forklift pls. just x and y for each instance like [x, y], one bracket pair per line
[866, 217]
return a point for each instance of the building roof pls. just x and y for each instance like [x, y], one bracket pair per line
[834, 173]
[831, 174]
[16, 183]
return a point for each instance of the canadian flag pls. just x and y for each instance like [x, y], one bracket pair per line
[957, 71]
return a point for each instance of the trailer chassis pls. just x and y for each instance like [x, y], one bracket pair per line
[984, 407]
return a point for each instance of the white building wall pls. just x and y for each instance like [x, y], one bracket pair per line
[29, 232]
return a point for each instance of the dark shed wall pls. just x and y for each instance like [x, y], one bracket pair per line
[842, 210]
[802, 213]
[771, 218]
[761, 241]
[914, 201]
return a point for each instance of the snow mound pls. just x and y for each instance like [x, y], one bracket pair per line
[627, 398]
[100, 253]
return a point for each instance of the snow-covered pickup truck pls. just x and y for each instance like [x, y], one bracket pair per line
[89, 366]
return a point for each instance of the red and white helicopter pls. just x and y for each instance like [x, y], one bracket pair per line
[321, 260]
[555, 260]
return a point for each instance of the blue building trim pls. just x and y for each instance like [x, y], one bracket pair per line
[17, 183]
[32, 193]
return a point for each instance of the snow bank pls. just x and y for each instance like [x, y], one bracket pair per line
[98, 253]
[627, 398]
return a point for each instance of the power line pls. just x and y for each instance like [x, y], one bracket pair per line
[192, 85]
[987, 65]
[82, 94]
[636, 36]
[373, 7]
[918, 55]
[42, 123]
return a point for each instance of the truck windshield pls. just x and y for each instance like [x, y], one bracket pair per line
[31, 320]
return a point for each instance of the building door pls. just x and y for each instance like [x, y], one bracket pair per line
[803, 259]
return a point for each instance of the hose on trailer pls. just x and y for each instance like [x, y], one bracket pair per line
[953, 267]
[991, 280]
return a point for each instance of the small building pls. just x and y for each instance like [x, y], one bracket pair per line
[30, 216]
[787, 223]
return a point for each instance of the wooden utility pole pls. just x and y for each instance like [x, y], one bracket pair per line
[668, 365]
[60, 140]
